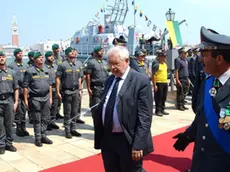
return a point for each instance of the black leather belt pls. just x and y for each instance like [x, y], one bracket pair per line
[38, 95]
[5, 96]
[72, 89]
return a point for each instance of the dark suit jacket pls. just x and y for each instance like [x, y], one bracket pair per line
[135, 108]
[208, 155]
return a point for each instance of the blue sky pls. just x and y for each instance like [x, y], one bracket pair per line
[39, 20]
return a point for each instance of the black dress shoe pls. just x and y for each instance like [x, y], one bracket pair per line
[2, 151]
[45, 140]
[19, 132]
[38, 143]
[75, 133]
[68, 135]
[159, 114]
[58, 116]
[180, 108]
[49, 128]
[11, 148]
[79, 121]
[164, 113]
[25, 132]
[185, 108]
[54, 126]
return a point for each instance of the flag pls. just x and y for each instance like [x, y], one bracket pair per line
[136, 8]
[141, 14]
[154, 27]
[160, 33]
[97, 15]
[174, 33]
[149, 23]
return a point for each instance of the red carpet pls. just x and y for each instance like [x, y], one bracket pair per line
[164, 159]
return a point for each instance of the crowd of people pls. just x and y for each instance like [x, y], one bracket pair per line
[121, 100]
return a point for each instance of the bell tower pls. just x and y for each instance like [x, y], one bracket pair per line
[14, 32]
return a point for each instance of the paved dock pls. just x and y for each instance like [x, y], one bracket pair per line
[31, 158]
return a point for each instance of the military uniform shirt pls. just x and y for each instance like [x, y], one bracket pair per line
[52, 70]
[98, 70]
[38, 82]
[8, 82]
[20, 69]
[139, 67]
[58, 59]
[69, 74]
[182, 66]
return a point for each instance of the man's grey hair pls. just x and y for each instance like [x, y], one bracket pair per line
[121, 51]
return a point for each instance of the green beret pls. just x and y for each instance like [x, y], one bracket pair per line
[37, 54]
[96, 49]
[55, 46]
[2, 53]
[31, 54]
[48, 54]
[68, 50]
[16, 51]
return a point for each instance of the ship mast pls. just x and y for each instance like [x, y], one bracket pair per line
[118, 12]
[134, 14]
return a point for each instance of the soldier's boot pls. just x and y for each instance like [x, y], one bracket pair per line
[11, 148]
[79, 121]
[53, 125]
[23, 128]
[59, 116]
[45, 140]
[19, 131]
[75, 133]
[2, 150]
[38, 142]
[68, 135]
[185, 108]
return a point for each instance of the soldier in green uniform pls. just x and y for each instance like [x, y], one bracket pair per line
[57, 60]
[68, 76]
[8, 104]
[31, 56]
[30, 63]
[97, 72]
[56, 51]
[37, 80]
[20, 116]
[52, 67]
[79, 120]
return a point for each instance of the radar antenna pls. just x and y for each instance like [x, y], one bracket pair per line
[118, 12]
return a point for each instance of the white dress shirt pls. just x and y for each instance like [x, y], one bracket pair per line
[116, 124]
[224, 77]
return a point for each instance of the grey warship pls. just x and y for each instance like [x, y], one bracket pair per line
[95, 34]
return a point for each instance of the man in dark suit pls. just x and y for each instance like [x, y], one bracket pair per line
[123, 117]
[211, 127]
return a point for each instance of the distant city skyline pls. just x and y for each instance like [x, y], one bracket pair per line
[51, 20]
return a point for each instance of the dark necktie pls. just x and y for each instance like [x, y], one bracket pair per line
[108, 122]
